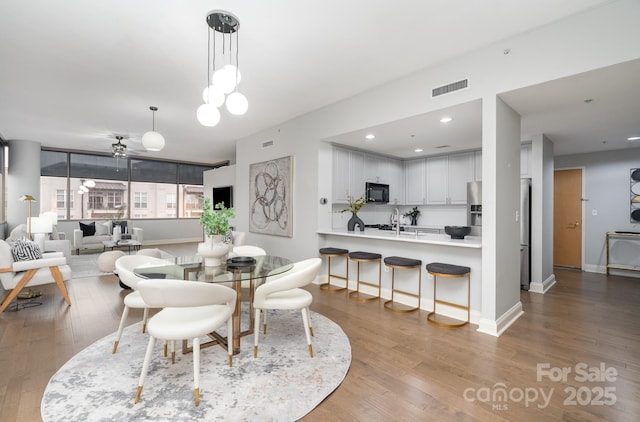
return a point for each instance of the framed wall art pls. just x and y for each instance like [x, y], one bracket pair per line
[635, 195]
[270, 191]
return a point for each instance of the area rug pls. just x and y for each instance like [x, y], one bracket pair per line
[282, 384]
[85, 265]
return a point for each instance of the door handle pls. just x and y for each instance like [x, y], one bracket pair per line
[574, 225]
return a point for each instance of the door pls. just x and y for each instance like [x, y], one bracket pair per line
[567, 218]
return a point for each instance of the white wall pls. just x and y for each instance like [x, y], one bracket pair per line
[594, 39]
[607, 192]
[23, 159]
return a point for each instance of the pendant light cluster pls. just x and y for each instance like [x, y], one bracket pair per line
[223, 29]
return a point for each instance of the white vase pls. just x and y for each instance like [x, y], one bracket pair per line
[214, 250]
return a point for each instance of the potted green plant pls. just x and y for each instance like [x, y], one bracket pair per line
[414, 214]
[216, 224]
[354, 207]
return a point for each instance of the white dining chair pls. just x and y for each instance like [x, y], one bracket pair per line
[124, 268]
[190, 310]
[285, 292]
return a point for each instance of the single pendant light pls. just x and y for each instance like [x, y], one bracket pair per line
[152, 140]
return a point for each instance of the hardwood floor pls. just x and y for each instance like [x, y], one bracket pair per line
[403, 368]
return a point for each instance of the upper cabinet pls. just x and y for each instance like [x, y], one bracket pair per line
[348, 174]
[447, 177]
[414, 181]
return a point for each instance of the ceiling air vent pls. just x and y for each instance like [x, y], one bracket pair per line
[267, 144]
[446, 89]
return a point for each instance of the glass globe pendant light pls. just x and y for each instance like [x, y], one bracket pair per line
[225, 79]
[152, 140]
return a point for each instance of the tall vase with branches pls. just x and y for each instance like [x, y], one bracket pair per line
[354, 206]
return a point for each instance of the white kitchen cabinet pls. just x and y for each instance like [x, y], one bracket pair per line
[396, 182]
[376, 169]
[525, 160]
[348, 174]
[341, 167]
[447, 178]
[356, 174]
[415, 177]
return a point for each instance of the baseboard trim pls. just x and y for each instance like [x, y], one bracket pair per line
[537, 287]
[500, 325]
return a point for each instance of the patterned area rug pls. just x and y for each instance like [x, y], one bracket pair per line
[282, 384]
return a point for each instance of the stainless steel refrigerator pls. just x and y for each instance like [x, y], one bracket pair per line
[525, 233]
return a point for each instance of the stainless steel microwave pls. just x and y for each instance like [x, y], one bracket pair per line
[377, 193]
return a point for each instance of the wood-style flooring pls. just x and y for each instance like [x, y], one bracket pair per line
[403, 368]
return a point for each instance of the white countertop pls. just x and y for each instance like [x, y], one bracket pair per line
[426, 238]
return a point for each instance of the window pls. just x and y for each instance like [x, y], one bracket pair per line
[140, 200]
[171, 201]
[153, 188]
[61, 198]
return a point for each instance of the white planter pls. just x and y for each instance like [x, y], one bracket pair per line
[213, 251]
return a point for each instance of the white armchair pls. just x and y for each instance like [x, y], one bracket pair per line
[16, 275]
[58, 244]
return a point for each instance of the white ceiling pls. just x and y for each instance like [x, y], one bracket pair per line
[75, 72]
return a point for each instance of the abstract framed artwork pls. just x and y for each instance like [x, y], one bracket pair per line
[270, 191]
[635, 195]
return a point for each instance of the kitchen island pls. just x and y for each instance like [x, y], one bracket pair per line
[428, 247]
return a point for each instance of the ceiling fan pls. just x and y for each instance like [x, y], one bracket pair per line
[118, 149]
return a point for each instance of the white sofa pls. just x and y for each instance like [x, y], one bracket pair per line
[104, 231]
[59, 244]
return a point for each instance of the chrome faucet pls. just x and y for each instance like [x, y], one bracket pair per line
[397, 222]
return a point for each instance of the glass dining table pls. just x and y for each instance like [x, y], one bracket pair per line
[234, 271]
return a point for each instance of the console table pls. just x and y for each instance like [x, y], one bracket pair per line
[629, 235]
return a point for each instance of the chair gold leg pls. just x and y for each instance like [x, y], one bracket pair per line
[311, 331]
[264, 329]
[197, 394]
[115, 347]
[230, 361]
[138, 394]
[255, 351]
[311, 350]
[165, 349]
[144, 328]
[173, 358]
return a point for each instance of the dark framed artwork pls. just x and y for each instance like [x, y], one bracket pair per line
[270, 189]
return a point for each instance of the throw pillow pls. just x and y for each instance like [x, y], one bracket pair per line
[25, 250]
[88, 229]
[103, 229]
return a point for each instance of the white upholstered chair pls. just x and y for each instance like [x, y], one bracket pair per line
[284, 292]
[191, 310]
[16, 275]
[247, 250]
[124, 268]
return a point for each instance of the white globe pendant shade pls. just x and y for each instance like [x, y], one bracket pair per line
[213, 95]
[237, 104]
[225, 78]
[153, 141]
[208, 115]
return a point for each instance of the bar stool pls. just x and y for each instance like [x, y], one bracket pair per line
[394, 262]
[438, 269]
[333, 253]
[360, 257]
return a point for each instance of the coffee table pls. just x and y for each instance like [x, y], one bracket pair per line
[112, 244]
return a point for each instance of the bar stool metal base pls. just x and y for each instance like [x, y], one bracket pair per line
[366, 257]
[394, 262]
[449, 271]
[333, 253]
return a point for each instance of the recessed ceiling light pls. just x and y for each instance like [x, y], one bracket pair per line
[370, 136]
[446, 120]
[634, 138]
[417, 150]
